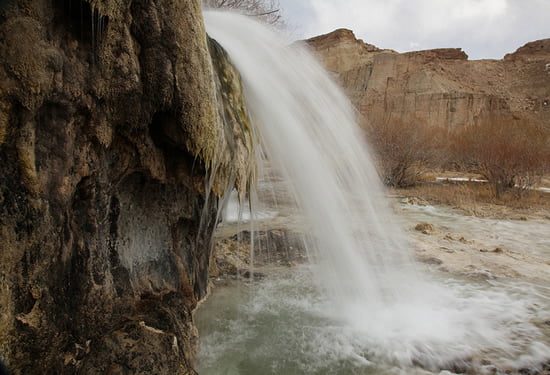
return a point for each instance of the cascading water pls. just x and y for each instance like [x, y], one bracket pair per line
[388, 311]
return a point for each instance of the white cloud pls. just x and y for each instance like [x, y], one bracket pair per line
[474, 9]
[483, 28]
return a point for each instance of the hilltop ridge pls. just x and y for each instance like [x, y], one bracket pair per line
[439, 87]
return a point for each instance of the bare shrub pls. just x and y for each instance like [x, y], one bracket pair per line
[268, 11]
[510, 153]
[405, 151]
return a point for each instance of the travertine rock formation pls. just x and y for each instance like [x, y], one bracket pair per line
[112, 152]
[438, 87]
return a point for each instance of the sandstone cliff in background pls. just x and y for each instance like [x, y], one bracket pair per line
[111, 141]
[439, 87]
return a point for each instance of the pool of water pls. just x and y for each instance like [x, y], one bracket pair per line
[280, 325]
[284, 325]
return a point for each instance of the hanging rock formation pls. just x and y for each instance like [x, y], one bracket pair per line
[438, 87]
[112, 154]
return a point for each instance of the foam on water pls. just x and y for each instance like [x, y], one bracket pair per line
[286, 325]
[381, 304]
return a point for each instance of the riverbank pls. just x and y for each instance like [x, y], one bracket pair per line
[474, 197]
[458, 227]
[453, 226]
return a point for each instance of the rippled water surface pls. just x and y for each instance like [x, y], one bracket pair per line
[284, 325]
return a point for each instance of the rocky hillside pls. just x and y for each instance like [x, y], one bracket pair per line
[439, 87]
[112, 152]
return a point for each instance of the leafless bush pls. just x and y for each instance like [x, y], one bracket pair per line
[404, 151]
[268, 11]
[508, 152]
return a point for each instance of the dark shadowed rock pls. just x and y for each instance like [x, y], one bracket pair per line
[112, 151]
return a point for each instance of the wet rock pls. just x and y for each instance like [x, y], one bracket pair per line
[430, 260]
[256, 276]
[112, 151]
[278, 247]
[495, 250]
[447, 250]
[425, 228]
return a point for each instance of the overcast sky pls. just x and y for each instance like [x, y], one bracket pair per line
[482, 28]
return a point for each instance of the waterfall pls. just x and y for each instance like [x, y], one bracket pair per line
[308, 131]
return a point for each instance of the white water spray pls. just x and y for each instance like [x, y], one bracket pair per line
[308, 130]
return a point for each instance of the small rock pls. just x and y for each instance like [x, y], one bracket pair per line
[495, 250]
[447, 250]
[425, 228]
[430, 260]
[255, 275]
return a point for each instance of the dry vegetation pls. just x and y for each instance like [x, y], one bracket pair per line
[268, 11]
[512, 155]
[405, 151]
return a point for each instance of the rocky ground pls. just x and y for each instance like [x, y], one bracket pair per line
[461, 233]
[448, 228]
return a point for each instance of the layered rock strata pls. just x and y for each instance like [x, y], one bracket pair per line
[438, 87]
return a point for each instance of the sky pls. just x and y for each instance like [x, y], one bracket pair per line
[484, 29]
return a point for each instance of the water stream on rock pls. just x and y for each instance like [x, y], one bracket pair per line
[364, 305]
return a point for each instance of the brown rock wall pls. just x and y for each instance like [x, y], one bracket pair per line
[438, 87]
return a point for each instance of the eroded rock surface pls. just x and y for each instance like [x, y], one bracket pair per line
[438, 87]
[111, 141]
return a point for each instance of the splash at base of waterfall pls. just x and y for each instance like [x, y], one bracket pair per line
[286, 325]
[366, 301]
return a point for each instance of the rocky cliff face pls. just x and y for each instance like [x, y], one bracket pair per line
[112, 152]
[437, 87]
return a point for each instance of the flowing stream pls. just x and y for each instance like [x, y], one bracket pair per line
[364, 306]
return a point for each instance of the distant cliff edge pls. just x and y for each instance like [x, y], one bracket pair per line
[439, 87]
